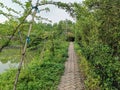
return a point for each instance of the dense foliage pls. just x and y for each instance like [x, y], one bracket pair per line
[40, 73]
[97, 33]
[45, 48]
[97, 36]
[46, 67]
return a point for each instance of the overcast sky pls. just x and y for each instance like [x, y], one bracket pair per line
[55, 14]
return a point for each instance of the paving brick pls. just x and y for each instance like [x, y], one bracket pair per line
[71, 79]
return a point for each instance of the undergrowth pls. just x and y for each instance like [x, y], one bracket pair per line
[40, 74]
[91, 80]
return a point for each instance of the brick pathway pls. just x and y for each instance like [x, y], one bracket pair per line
[71, 79]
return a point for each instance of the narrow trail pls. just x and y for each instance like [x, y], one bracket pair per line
[71, 79]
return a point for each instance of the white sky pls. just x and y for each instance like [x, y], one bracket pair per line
[55, 14]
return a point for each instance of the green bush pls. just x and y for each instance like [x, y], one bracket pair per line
[40, 74]
[103, 65]
[91, 79]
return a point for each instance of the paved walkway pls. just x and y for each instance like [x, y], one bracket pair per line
[71, 79]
